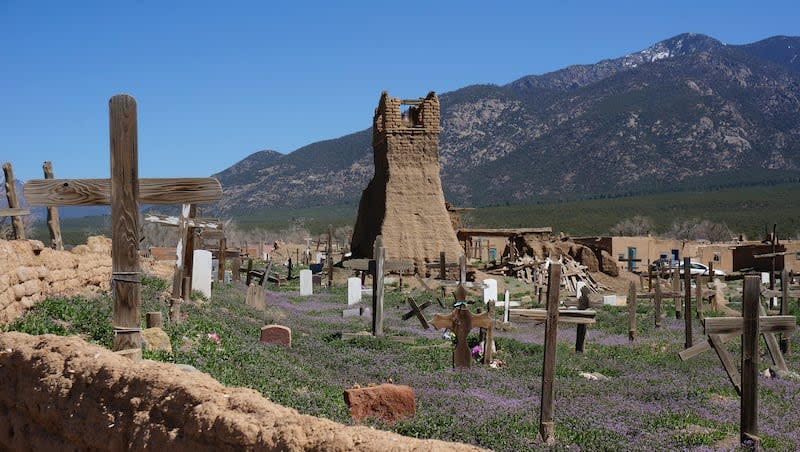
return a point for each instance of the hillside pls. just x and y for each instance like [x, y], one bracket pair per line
[687, 112]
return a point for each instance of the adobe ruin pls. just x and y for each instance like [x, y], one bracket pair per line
[404, 201]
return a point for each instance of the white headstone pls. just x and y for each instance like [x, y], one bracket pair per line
[610, 300]
[201, 272]
[305, 282]
[353, 290]
[764, 278]
[319, 257]
[490, 292]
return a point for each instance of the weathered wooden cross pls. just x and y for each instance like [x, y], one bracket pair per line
[753, 323]
[461, 321]
[14, 210]
[124, 191]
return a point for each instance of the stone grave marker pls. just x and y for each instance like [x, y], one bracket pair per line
[305, 283]
[353, 291]
[276, 334]
[201, 272]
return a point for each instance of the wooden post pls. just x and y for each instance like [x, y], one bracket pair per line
[462, 269]
[289, 270]
[329, 254]
[676, 289]
[236, 267]
[506, 307]
[785, 348]
[687, 300]
[125, 270]
[699, 283]
[657, 304]
[223, 246]
[632, 312]
[774, 241]
[488, 342]
[13, 201]
[377, 287]
[749, 404]
[649, 276]
[192, 238]
[583, 303]
[546, 425]
[442, 266]
[248, 277]
[154, 320]
[53, 222]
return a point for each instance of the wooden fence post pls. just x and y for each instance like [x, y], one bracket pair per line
[53, 222]
[125, 277]
[687, 306]
[546, 424]
[632, 312]
[750, 312]
[676, 290]
[329, 254]
[442, 266]
[13, 201]
[657, 304]
[785, 348]
[223, 247]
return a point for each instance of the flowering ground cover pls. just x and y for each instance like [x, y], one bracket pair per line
[651, 400]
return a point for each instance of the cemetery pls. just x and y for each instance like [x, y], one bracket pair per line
[419, 334]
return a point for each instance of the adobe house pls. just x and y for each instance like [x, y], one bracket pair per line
[627, 250]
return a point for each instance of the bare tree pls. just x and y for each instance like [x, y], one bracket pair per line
[696, 229]
[635, 226]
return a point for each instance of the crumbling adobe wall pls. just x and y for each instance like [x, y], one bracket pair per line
[29, 272]
[404, 201]
[60, 393]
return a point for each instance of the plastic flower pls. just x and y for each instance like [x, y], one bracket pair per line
[214, 337]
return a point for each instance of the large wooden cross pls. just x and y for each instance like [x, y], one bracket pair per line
[123, 191]
[753, 323]
[461, 321]
[14, 210]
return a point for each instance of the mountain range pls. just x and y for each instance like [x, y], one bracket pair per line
[687, 112]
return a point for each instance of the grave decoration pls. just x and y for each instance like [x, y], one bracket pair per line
[461, 321]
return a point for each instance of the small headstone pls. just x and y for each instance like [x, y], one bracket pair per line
[201, 272]
[228, 276]
[155, 339]
[214, 269]
[276, 334]
[610, 300]
[353, 291]
[764, 278]
[256, 297]
[578, 286]
[490, 292]
[305, 282]
[351, 312]
[319, 257]
[316, 280]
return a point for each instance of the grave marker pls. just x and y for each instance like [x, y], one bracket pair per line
[353, 291]
[124, 191]
[490, 292]
[53, 222]
[14, 210]
[201, 273]
[305, 283]
[546, 424]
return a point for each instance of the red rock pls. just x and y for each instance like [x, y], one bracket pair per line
[387, 402]
[276, 334]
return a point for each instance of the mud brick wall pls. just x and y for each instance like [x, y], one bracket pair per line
[404, 201]
[61, 393]
[29, 272]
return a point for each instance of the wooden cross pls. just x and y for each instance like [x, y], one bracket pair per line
[186, 224]
[53, 221]
[461, 321]
[416, 310]
[124, 191]
[14, 210]
[753, 323]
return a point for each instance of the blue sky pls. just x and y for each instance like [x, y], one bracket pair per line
[217, 81]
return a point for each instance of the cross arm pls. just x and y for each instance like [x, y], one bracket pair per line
[14, 211]
[443, 321]
[767, 324]
[176, 221]
[97, 192]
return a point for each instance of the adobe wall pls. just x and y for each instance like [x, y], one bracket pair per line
[60, 393]
[404, 201]
[29, 272]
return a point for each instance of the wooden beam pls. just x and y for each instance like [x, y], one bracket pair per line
[546, 423]
[53, 221]
[176, 221]
[377, 287]
[97, 192]
[632, 312]
[717, 342]
[124, 192]
[769, 324]
[13, 201]
[687, 302]
[695, 350]
[749, 322]
[576, 316]
[14, 212]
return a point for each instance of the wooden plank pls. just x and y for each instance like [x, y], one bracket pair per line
[580, 317]
[632, 312]
[124, 193]
[176, 221]
[784, 307]
[488, 342]
[718, 344]
[221, 261]
[750, 328]
[546, 423]
[695, 350]
[772, 344]
[13, 201]
[212, 234]
[180, 252]
[53, 221]
[770, 324]
[14, 212]
[329, 257]
[657, 304]
[97, 192]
